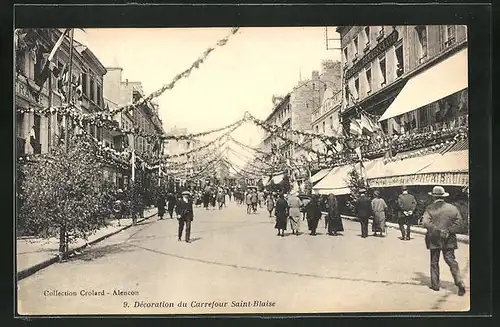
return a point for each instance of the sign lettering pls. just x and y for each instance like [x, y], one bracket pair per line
[372, 54]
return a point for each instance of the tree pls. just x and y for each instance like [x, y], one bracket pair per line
[260, 185]
[355, 182]
[61, 193]
[307, 186]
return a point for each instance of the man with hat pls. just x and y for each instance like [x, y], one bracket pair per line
[363, 211]
[407, 205]
[442, 221]
[185, 215]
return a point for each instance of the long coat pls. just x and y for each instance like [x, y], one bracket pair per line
[160, 203]
[270, 203]
[281, 213]
[363, 207]
[313, 213]
[333, 217]
[441, 216]
[379, 208]
[406, 202]
[186, 210]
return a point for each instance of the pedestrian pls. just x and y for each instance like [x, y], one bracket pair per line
[186, 215]
[270, 204]
[213, 198]
[160, 204]
[407, 205]
[206, 198]
[334, 220]
[294, 205]
[261, 199]
[255, 200]
[313, 214]
[379, 208]
[178, 199]
[281, 213]
[119, 205]
[363, 211]
[171, 200]
[442, 221]
[220, 198]
[249, 202]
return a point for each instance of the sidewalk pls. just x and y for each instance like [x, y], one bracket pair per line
[34, 253]
[414, 229]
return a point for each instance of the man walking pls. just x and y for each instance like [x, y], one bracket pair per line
[254, 199]
[185, 215]
[442, 221]
[363, 211]
[407, 205]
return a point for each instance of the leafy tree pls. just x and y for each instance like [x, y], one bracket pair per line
[61, 193]
[260, 185]
[355, 182]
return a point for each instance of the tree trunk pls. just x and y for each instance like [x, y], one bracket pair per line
[62, 241]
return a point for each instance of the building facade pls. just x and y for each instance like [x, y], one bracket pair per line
[378, 61]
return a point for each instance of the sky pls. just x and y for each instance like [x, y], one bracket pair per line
[243, 75]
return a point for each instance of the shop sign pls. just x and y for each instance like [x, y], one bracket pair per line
[454, 179]
[381, 47]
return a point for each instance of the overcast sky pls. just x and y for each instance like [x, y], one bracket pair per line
[241, 76]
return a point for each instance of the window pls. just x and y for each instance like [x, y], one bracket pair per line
[369, 79]
[331, 122]
[346, 59]
[450, 35]
[356, 45]
[382, 70]
[367, 35]
[92, 91]
[380, 33]
[99, 133]
[317, 129]
[92, 130]
[324, 129]
[356, 86]
[400, 61]
[422, 39]
[98, 95]
[84, 83]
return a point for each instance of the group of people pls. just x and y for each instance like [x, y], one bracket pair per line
[180, 204]
[211, 197]
[292, 209]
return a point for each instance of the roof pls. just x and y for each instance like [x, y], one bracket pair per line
[277, 107]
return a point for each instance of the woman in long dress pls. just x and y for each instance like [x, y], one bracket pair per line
[379, 208]
[281, 212]
[294, 205]
[334, 220]
[270, 204]
[313, 214]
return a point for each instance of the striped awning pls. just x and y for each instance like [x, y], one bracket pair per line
[320, 175]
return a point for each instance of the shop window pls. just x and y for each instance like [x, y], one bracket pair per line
[421, 31]
[400, 61]
[383, 70]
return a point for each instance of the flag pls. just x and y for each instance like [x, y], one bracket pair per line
[47, 59]
[355, 127]
[366, 124]
[358, 152]
[79, 88]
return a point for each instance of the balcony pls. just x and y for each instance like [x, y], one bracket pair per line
[449, 42]
[380, 35]
[426, 137]
[20, 146]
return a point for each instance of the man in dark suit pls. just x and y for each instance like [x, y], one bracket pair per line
[407, 205]
[185, 214]
[363, 211]
[442, 221]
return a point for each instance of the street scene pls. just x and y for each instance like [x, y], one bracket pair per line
[242, 170]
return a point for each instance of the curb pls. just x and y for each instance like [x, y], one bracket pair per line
[44, 264]
[417, 230]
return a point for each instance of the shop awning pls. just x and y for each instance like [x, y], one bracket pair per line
[434, 83]
[277, 179]
[320, 175]
[335, 181]
[265, 180]
[408, 166]
[454, 161]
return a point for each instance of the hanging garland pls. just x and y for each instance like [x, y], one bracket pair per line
[184, 74]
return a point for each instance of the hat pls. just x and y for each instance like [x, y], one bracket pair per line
[186, 193]
[438, 191]
[404, 188]
[362, 190]
[120, 190]
[376, 193]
